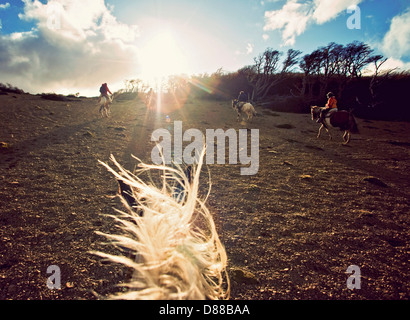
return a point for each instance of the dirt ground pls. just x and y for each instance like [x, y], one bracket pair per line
[314, 208]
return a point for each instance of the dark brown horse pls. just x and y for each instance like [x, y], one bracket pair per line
[343, 120]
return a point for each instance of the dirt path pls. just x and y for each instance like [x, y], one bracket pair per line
[314, 208]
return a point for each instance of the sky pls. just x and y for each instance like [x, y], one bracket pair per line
[70, 46]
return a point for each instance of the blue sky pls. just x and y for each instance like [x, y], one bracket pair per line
[73, 46]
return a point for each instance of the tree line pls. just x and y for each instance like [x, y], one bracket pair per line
[352, 71]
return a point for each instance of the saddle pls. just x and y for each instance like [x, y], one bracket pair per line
[338, 118]
[239, 105]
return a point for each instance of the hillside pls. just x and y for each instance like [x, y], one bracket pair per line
[291, 231]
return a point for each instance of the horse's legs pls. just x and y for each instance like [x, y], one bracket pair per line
[107, 110]
[328, 132]
[320, 130]
[346, 137]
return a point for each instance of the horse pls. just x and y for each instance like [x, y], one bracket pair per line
[175, 249]
[104, 104]
[244, 108]
[344, 120]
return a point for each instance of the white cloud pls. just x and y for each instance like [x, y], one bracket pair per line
[396, 42]
[291, 19]
[393, 63]
[249, 48]
[247, 51]
[388, 65]
[75, 44]
[5, 5]
[295, 16]
[326, 10]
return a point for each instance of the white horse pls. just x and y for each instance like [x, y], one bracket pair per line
[104, 104]
[242, 108]
[175, 250]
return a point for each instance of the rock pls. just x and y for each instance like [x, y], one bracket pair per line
[285, 126]
[365, 214]
[88, 134]
[253, 187]
[375, 181]
[12, 289]
[69, 238]
[243, 276]
[4, 145]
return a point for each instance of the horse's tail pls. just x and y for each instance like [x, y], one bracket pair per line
[253, 110]
[353, 128]
[180, 255]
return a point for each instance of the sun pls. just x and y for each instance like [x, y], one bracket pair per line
[161, 57]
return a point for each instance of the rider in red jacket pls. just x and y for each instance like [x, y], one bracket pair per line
[104, 91]
[331, 105]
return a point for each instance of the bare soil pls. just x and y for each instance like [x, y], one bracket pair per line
[291, 231]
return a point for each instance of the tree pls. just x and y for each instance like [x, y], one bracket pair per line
[265, 74]
[310, 66]
[134, 85]
[376, 80]
[335, 61]
[178, 85]
[356, 56]
[290, 60]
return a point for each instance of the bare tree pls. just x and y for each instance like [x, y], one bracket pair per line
[357, 55]
[134, 85]
[335, 61]
[377, 79]
[292, 59]
[265, 74]
[310, 65]
[178, 85]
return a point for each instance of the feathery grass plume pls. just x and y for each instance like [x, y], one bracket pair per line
[175, 249]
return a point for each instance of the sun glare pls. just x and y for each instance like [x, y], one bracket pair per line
[161, 57]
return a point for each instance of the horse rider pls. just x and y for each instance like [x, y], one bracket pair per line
[104, 91]
[150, 97]
[330, 107]
[242, 99]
